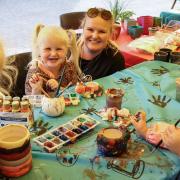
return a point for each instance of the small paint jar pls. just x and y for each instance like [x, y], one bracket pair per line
[6, 106]
[1, 97]
[15, 106]
[8, 98]
[24, 106]
[1, 105]
[16, 98]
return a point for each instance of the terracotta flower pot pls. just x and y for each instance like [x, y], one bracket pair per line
[116, 31]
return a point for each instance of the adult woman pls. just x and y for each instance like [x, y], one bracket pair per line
[99, 56]
[8, 74]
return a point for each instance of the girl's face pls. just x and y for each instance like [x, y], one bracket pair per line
[96, 33]
[52, 52]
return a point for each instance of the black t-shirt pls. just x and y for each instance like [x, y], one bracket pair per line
[103, 64]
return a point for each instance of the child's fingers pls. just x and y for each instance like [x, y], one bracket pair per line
[143, 116]
[133, 121]
[35, 77]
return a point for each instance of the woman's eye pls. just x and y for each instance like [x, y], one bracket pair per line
[59, 49]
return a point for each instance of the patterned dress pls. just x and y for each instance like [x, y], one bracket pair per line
[69, 75]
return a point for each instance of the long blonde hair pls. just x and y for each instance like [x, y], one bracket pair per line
[80, 41]
[67, 37]
[8, 73]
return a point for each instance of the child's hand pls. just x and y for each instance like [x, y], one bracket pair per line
[171, 139]
[140, 125]
[52, 83]
[36, 83]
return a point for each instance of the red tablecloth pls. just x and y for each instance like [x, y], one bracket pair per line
[131, 57]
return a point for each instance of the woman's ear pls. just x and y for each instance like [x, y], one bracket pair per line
[69, 33]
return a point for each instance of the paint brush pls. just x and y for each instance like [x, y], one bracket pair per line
[70, 83]
[60, 81]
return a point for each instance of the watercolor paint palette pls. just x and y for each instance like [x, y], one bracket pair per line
[56, 138]
[71, 99]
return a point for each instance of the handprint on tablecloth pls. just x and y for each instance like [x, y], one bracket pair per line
[127, 80]
[89, 110]
[39, 127]
[162, 70]
[159, 100]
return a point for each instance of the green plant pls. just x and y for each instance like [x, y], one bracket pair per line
[117, 8]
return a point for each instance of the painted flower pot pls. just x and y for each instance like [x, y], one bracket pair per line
[116, 31]
[175, 57]
[161, 56]
[135, 31]
[112, 141]
[53, 106]
[129, 22]
[145, 22]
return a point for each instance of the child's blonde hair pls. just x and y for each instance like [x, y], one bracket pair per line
[8, 73]
[68, 38]
[80, 41]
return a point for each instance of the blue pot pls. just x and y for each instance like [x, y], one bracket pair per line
[135, 31]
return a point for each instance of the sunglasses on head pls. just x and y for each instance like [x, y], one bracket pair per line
[94, 12]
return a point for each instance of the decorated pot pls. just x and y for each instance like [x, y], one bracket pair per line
[112, 141]
[53, 106]
[114, 98]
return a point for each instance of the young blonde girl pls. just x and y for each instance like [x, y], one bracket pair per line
[98, 55]
[8, 74]
[50, 60]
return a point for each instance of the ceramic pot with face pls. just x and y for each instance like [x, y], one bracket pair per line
[53, 106]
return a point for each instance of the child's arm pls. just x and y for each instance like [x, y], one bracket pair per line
[171, 139]
[140, 125]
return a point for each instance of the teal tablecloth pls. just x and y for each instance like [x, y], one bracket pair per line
[81, 160]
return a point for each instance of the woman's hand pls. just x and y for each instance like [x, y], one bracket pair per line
[36, 83]
[52, 84]
[140, 125]
[171, 139]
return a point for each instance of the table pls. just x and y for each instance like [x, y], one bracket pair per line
[131, 57]
[81, 160]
